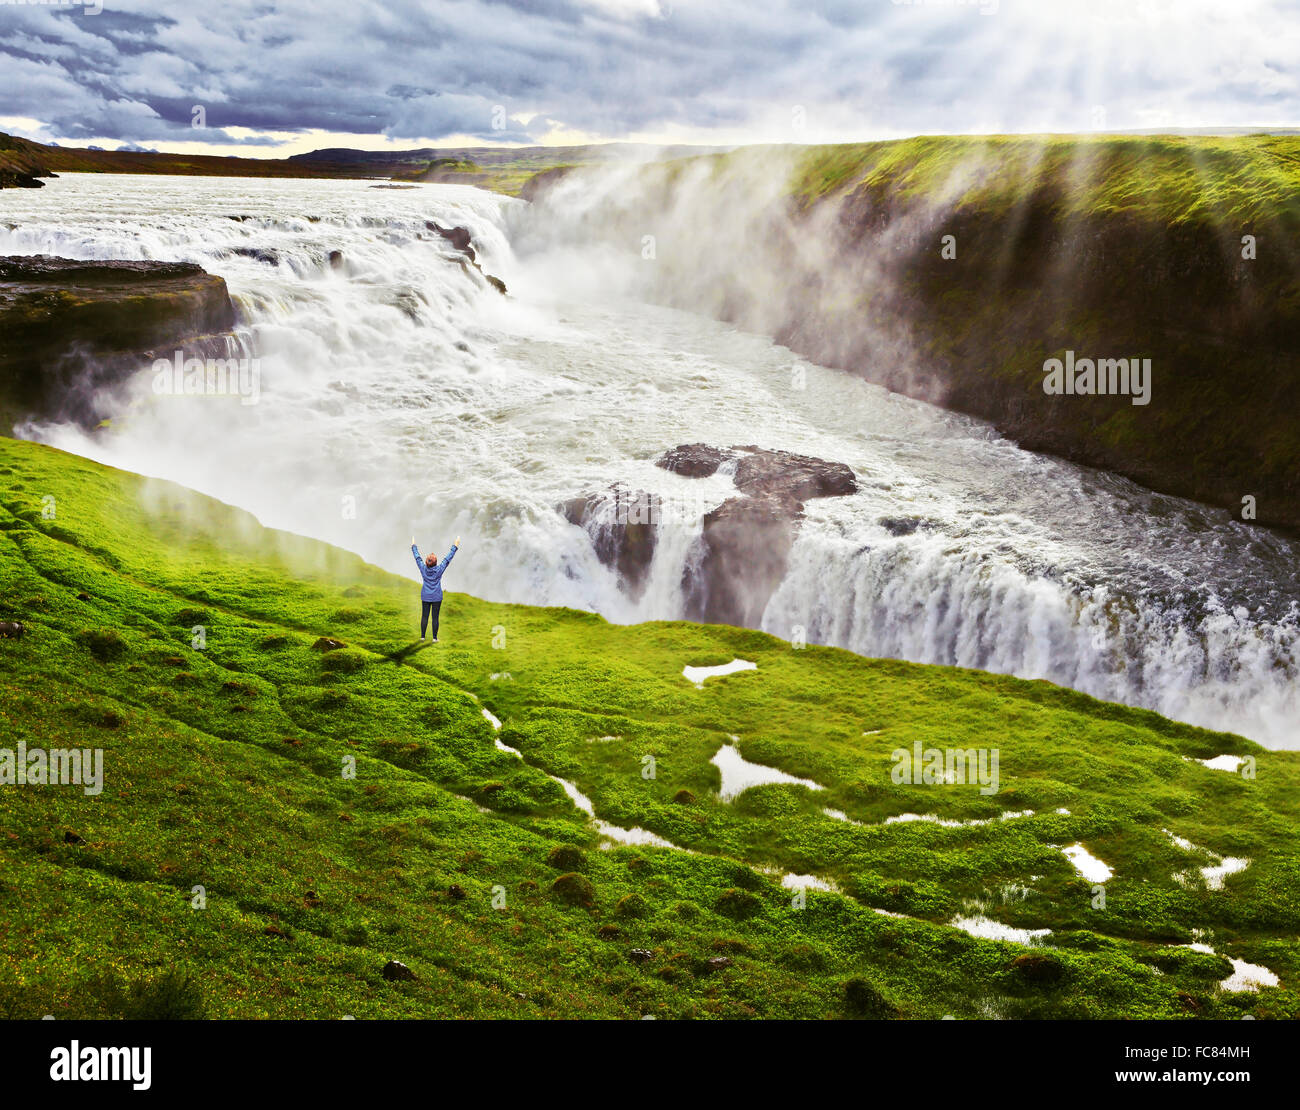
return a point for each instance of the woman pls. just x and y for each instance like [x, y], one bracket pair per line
[431, 572]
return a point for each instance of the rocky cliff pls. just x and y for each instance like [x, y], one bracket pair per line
[68, 328]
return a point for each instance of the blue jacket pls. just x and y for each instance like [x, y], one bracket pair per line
[431, 575]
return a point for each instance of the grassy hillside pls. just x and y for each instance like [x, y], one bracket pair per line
[1128, 247]
[224, 768]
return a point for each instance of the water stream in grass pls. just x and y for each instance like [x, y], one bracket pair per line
[400, 393]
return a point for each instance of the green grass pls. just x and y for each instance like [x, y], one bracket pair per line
[1237, 182]
[224, 768]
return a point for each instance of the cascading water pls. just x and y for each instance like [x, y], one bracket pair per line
[400, 393]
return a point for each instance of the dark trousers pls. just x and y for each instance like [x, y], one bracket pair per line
[430, 608]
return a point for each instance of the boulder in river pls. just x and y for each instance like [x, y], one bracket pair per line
[745, 542]
[622, 524]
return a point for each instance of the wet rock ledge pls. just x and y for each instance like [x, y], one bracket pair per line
[745, 542]
[68, 328]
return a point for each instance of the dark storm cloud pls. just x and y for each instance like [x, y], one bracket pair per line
[514, 70]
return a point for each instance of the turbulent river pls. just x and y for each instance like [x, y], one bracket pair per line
[400, 394]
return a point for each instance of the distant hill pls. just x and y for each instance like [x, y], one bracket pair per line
[25, 162]
[27, 158]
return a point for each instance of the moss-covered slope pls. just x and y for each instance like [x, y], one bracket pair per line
[180, 637]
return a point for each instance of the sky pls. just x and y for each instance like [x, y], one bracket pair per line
[269, 78]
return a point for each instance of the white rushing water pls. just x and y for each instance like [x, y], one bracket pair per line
[401, 394]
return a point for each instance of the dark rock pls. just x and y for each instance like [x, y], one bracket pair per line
[395, 972]
[69, 328]
[258, 254]
[746, 540]
[640, 955]
[336, 259]
[458, 237]
[9, 180]
[72, 838]
[83, 596]
[693, 460]
[799, 477]
[12, 630]
[456, 891]
[622, 524]
[714, 963]
[327, 644]
[746, 545]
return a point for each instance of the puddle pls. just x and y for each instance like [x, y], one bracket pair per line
[985, 928]
[699, 674]
[808, 882]
[637, 836]
[500, 746]
[1088, 865]
[840, 815]
[1244, 977]
[738, 774]
[1220, 762]
[1247, 977]
[576, 796]
[948, 823]
[1214, 873]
